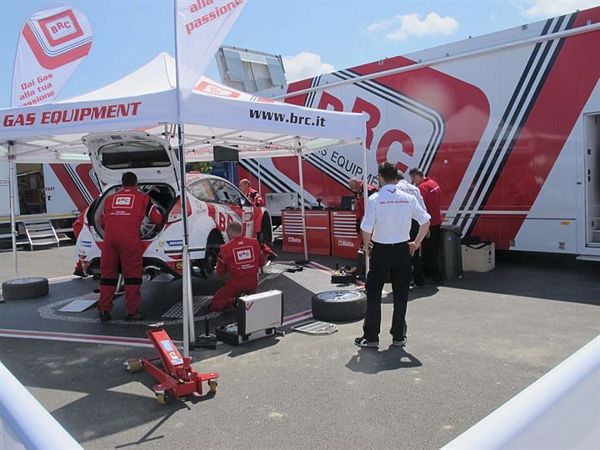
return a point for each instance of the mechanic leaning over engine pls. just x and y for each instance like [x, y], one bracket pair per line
[257, 202]
[124, 212]
[242, 258]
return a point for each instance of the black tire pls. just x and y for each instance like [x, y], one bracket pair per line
[339, 305]
[24, 288]
[265, 235]
[213, 248]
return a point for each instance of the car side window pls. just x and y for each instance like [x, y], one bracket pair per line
[226, 193]
[202, 191]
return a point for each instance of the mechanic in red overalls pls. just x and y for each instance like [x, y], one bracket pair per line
[430, 191]
[77, 227]
[122, 248]
[242, 258]
[356, 187]
[258, 202]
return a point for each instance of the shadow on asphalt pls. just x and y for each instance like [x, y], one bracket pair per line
[372, 361]
[96, 375]
[545, 276]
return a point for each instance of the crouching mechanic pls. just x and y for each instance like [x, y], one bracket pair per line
[242, 258]
[121, 219]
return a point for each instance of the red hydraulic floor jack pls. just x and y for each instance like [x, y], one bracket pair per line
[176, 377]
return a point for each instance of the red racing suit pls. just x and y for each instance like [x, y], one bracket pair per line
[242, 258]
[360, 202]
[122, 248]
[360, 208]
[430, 191]
[77, 227]
[258, 202]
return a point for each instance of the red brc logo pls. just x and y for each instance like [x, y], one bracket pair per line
[60, 28]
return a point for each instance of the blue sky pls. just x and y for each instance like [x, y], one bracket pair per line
[313, 35]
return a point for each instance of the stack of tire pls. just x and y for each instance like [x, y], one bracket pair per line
[24, 288]
[339, 305]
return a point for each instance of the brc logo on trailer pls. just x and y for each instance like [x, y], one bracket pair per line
[423, 118]
[387, 134]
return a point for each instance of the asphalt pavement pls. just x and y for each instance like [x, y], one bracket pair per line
[472, 345]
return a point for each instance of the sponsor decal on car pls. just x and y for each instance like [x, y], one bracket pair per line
[86, 244]
[177, 243]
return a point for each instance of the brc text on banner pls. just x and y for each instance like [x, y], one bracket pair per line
[52, 44]
[202, 26]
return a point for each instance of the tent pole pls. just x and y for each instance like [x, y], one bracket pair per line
[302, 212]
[188, 312]
[188, 318]
[366, 199]
[259, 180]
[11, 201]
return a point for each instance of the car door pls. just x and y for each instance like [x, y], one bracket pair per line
[233, 206]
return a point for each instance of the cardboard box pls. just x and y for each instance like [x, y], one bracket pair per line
[479, 257]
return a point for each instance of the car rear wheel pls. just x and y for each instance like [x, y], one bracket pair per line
[265, 235]
[213, 248]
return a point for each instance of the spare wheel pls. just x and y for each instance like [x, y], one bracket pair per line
[24, 288]
[339, 305]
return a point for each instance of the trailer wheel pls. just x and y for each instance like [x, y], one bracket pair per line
[25, 288]
[339, 305]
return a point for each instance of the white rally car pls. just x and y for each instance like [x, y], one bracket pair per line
[213, 202]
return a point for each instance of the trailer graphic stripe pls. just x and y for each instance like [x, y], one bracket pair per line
[550, 124]
[509, 125]
[536, 94]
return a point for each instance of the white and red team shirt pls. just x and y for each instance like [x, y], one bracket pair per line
[389, 214]
[413, 190]
[241, 257]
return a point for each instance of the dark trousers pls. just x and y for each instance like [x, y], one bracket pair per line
[431, 253]
[417, 263]
[395, 260]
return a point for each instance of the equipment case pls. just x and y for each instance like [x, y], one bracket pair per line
[258, 316]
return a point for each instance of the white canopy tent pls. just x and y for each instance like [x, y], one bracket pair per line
[147, 99]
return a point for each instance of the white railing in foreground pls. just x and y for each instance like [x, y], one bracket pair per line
[24, 423]
[561, 410]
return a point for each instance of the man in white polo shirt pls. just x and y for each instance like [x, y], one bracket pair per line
[387, 224]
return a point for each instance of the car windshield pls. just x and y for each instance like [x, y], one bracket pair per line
[202, 191]
[132, 155]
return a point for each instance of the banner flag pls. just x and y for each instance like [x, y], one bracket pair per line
[201, 27]
[52, 44]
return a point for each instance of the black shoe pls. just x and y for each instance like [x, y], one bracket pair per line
[362, 342]
[79, 273]
[399, 342]
[104, 316]
[134, 317]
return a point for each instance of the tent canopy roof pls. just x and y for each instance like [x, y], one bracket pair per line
[146, 99]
